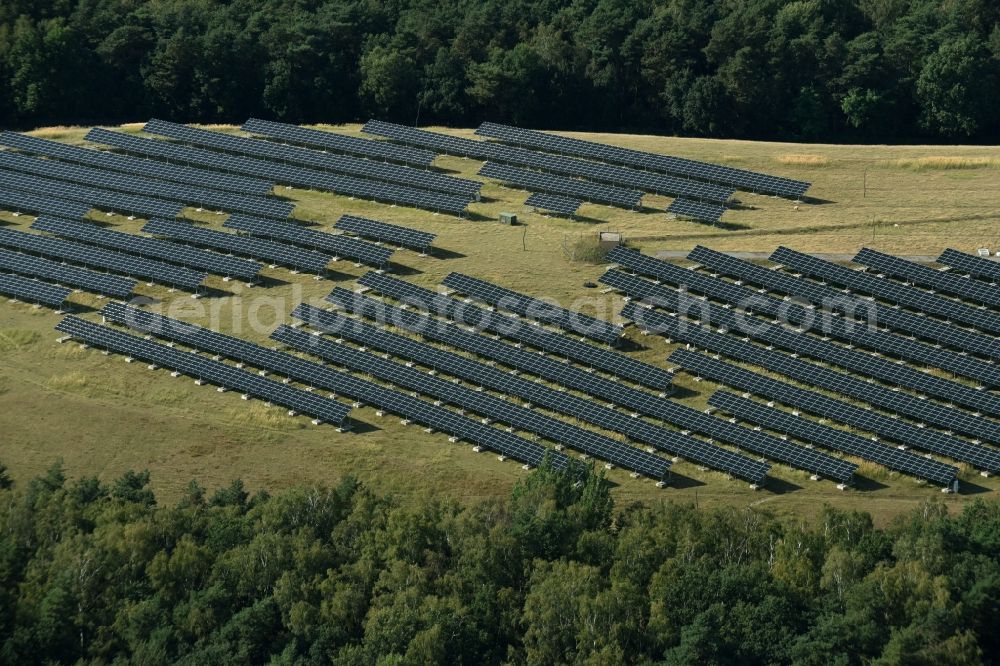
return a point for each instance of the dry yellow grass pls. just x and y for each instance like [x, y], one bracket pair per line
[947, 162]
[802, 160]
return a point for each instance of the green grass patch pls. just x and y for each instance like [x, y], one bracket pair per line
[11, 339]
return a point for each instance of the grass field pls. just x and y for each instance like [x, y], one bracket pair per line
[103, 416]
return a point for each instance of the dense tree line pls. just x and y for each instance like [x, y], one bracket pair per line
[101, 573]
[799, 69]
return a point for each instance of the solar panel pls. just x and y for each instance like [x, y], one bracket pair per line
[392, 173]
[204, 369]
[134, 165]
[535, 393]
[284, 173]
[22, 202]
[887, 290]
[974, 266]
[338, 142]
[441, 143]
[833, 300]
[481, 319]
[116, 262]
[183, 255]
[295, 233]
[970, 290]
[496, 409]
[746, 325]
[835, 410]
[836, 439]
[33, 291]
[314, 374]
[554, 203]
[532, 308]
[70, 276]
[745, 180]
[696, 210]
[265, 250]
[113, 180]
[385, 232]
[571, 187]
[98, 198]
[824, 324]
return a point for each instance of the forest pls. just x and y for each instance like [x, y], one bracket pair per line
[803, 70]
[94, 572]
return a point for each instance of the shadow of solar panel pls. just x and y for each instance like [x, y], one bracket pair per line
[116, 262]
[70, 276]
[535, 393]
[113, 180]
[970, 290]
[284, 173]
[545, 182]
[393, 173]
[183, 255]
[33, 291]
[481, 319]
[836, 439]
[136, 166]
[748, 326]
[338, 142]
[821, 323]
[496, 409]
[23, 202]
[265, 250]
[313, 374]
[99, 198]
[532, 308]
[887, 290]
[292, 232]
[696, 210]
[385, 232]
[975, 266]
[199, 367]
[741, 178]
[851, 306]
[554, 203]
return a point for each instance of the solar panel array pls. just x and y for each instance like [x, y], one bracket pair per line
[98, 198]
[23, 202]
[315, 159]
[888, 290]
[481, 319]
[216, 372]
[807, 318]
[836, 439]
[314, 374]
[816, 403]
[183, 255]
[496, 409]
[137, 166]
[385, 232]
[295, 233]
[113, 180]
[526, 306]
[33, 291]
[696, 210]
[970, 290]
[975, 266]
[745, 180]
[544, 182]
[264, 250]
[442, 143]
[116, 262]
[851, 306]
[338, 142]
[554, 203]
[746, 325]
[585, 409]
[70, 276]
[283, 173]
